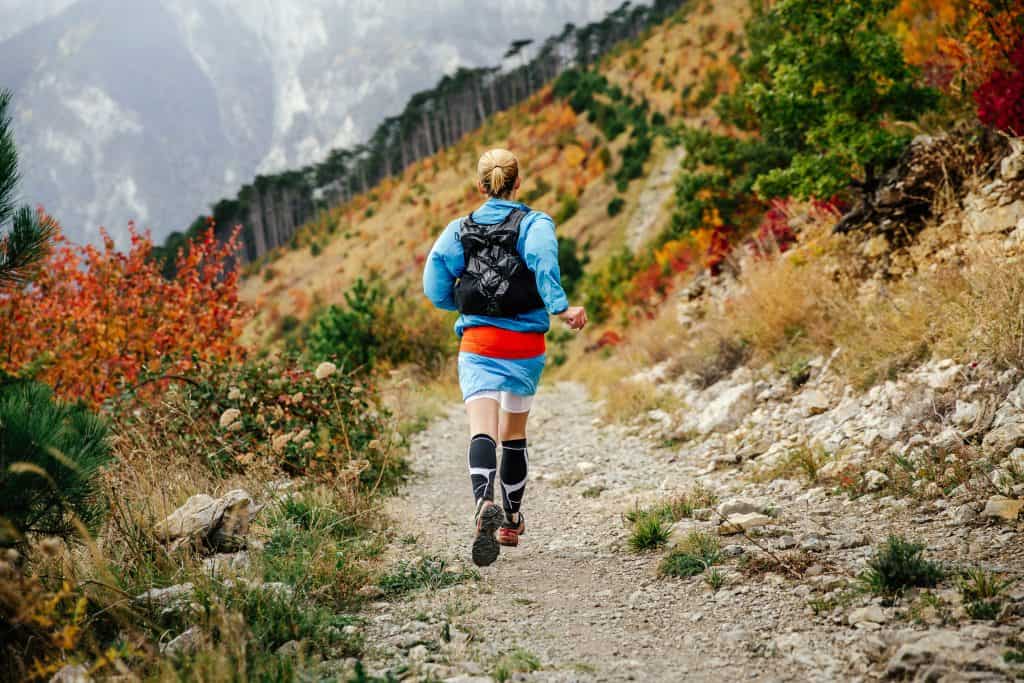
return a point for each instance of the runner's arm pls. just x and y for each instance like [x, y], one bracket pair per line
[443, 266]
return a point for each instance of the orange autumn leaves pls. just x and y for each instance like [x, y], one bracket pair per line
[959, 42]
[95, 318]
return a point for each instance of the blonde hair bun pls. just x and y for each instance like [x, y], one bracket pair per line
[498, 170]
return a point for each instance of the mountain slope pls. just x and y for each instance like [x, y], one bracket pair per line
[567, 168]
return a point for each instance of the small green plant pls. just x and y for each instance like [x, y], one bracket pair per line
[615, 206]
[694, 555]
[982, 593]
[516, 661]
[714, 578]
[801, 461]
[799, 372]
[898, 565]
[429, 572]
[649, 532]
[677, 508]
[315, 249]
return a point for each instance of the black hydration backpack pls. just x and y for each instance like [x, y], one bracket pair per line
[497, 282]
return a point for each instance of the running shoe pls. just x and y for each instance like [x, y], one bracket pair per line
[510, 532]
[488, 518]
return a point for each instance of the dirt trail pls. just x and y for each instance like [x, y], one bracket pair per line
[572, 594]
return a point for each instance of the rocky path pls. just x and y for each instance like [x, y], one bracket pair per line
[573, 603]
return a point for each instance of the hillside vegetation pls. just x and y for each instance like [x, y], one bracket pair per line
[572, 161]
[799, 411]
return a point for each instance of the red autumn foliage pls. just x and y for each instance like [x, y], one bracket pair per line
[96, 318]
[607, 338]
[774, 233]
[1000, 99]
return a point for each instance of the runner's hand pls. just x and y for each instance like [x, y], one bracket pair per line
[575, 317]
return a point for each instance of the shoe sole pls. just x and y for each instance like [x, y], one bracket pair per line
[485, 546]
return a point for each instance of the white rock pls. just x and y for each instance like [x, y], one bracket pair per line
[947, 440]
[185, 643]
[1001, 479]
[227, 563]
[325, 370]
[830, 470]
[1004, 438]
[229, 416]
[166, 596]
[736, 524]
[585, 467]
[963, 514]
[217, 520]
[965, 414]
[815, 402]
[875, 480]
[983, 216]
[72, 673]
[737, 506]
[872, 614]
[727, 411]
[1012, 165]
[943, 376]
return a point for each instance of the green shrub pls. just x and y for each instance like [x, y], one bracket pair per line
[649, 532]
[982, 593]
[898, 565]
[615, 206]
[570, 264]
[567, 208]
[286, 418]
[428, 572]
[820, 90]
[51, 454]
[678, 507]
[350, 335]
[315, 249]
[374, 326]
[697, 552]
[516, 661]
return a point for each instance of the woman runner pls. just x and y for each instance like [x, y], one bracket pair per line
[499, 268]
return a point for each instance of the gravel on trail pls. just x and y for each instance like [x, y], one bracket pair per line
[574, 603]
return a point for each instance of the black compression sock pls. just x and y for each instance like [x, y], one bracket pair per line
[515, 464]
[483, 460]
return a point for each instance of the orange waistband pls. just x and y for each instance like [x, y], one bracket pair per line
[498, 343]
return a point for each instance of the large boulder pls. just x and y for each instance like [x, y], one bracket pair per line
[218, 523]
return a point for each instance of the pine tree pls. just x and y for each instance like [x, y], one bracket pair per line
[27, 238]
[51, 453]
